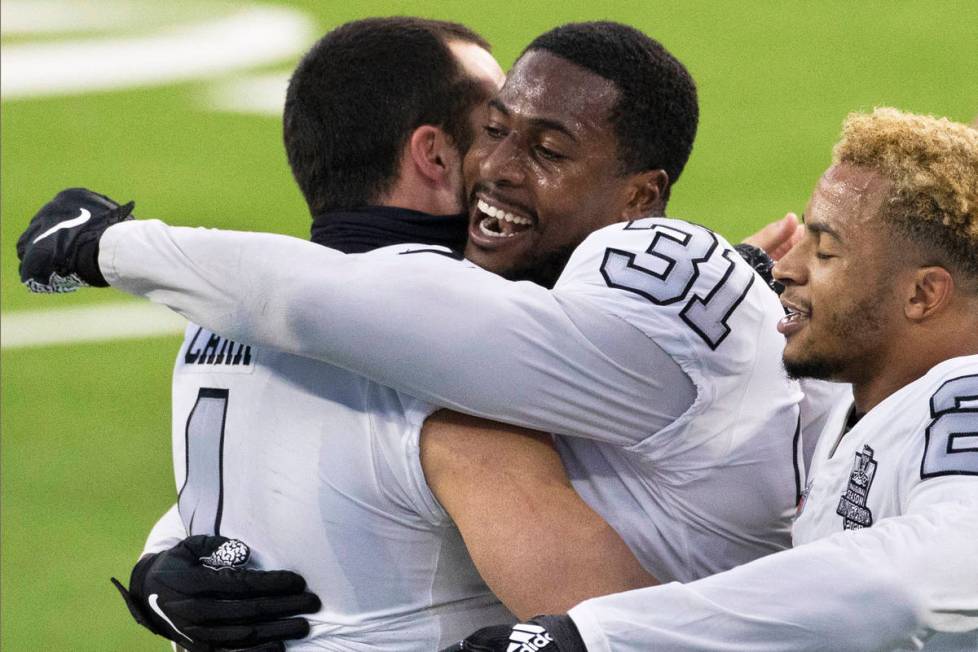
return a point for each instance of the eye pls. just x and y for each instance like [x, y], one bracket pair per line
[823, 256]
[548, 154]
[493, 131]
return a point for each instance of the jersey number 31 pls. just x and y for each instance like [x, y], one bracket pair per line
[667, 271]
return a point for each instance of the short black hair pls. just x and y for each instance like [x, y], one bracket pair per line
[657, 112]
[357, 95]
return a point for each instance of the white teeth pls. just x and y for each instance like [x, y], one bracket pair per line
[515, 219]
[500, 214]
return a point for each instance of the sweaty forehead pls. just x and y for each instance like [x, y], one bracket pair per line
[543, 85]
[848, 197]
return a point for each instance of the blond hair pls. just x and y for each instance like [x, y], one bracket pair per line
[932, 164]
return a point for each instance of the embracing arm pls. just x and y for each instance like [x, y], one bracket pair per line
[433, 327]
[538, 546]
[879, 588]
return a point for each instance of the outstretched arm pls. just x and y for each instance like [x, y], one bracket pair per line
[423, 323]
[879, 588]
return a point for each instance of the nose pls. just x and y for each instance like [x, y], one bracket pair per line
[791, 269]
[503, 165]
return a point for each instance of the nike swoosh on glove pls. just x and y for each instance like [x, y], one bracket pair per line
[59, 250]
[199, 595]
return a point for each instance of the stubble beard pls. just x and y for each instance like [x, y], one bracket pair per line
[855, 335]
[543, 269]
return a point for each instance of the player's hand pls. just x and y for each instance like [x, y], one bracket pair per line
[59, 250]
[762, 264]
[540, 634]
[777, 238]
[199, 595]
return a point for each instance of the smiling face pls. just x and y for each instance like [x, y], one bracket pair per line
[544, 171]
[840, 281]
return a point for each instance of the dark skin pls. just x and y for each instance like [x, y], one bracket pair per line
[548, 156]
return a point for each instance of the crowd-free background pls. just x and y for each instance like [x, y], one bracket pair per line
[176, 105]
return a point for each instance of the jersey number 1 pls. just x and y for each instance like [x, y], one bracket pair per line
[202, 494]
[666, 272]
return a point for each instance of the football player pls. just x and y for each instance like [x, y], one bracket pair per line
[882, 292]
[644, 351]
[340, 498]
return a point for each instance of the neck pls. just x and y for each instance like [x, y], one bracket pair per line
[357, 230]
[414, 192]
[915, 356]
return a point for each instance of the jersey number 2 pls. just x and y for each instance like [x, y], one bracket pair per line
[951, 439]
[202, 494]
[666, 272]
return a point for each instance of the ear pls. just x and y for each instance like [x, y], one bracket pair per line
[647, 193]
[432, 153]
[931, 292]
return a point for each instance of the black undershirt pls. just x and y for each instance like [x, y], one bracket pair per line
[357, 230]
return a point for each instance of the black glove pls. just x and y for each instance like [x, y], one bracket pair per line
[59, 250]
[761, 262]
[540, 634]
[198, 595]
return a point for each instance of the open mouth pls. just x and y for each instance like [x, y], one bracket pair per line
[795, 319]
[495, 222]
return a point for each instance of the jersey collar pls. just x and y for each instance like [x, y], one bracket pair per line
[362, 229]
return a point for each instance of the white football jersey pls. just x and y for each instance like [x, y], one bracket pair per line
[885, 553]
[319, 471]
[657, 350]
[918, 446]
[715, 487]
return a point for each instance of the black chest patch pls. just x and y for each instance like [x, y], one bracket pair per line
[852, 506]
[212, 350]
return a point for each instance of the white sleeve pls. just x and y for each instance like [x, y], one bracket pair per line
[430, 326]
[880, 588]
[167, 532]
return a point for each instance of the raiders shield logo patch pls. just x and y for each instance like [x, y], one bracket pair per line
[852, 506]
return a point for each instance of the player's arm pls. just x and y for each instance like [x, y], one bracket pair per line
[875, 588]
[878, 588]
[425, 324]
[539, 547]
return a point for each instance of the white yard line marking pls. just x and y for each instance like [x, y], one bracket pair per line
[96, 323]
[253, 36]
[257, 94]
[61, 17]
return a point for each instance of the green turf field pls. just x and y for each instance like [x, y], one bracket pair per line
[85, 427]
